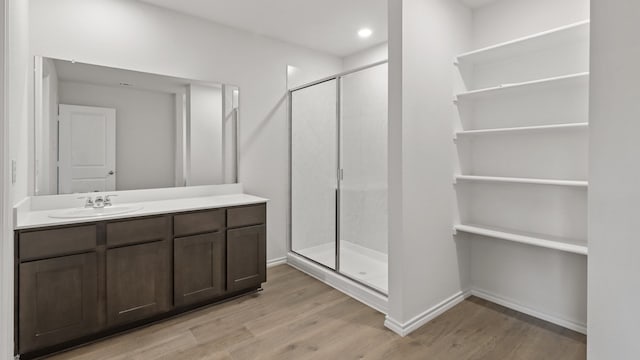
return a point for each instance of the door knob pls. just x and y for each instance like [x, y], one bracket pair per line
[111, 172]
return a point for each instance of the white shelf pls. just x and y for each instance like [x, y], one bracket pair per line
[565, 80]
[523, 129]
[572, 33]
[545, 241]
[497, 179]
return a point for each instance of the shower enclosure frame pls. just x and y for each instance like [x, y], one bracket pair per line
[339, 173]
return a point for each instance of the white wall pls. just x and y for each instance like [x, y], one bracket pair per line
[506, 20]
[395, 166]
[614, 196]
[19, 64]
[15, 145]
[145, 131]
[204, 111]
[366, 57]
[137, 36]
[426, 266]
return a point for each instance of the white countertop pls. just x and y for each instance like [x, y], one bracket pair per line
[40, 218]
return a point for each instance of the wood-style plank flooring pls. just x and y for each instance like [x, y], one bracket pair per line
[298, 317]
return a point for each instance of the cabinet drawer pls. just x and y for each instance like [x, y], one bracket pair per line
[198, 222]
[50, 243]
[137, 231]
[246, 215]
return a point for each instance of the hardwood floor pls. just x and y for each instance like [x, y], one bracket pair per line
[298, 317]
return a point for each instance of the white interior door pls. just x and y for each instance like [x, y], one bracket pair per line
[87, 149]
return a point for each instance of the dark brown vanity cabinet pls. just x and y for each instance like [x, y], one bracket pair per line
[58, 300]
[200, 263]
[246, 257]
[138, 269]
[57, 286]
[78, 283]
[137, 282]
[199, 256]
[246, 247]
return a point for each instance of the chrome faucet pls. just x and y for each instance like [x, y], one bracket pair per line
[107, 200]
[88, 203]
[98, 202]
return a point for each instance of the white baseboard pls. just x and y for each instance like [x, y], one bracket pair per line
[341, 283]
[380, 302]
[276, 261]
[511, 304]
[404, 329]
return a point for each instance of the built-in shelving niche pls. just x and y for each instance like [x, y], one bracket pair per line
[571, 34]
[545, 241]
[521, 136]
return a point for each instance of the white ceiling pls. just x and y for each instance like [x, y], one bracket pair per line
[326, 25]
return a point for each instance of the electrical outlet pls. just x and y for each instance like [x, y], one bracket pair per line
[13, 171]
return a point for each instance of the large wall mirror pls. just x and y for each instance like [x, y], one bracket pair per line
[103, 129]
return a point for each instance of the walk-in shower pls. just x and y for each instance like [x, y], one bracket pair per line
[339, 174]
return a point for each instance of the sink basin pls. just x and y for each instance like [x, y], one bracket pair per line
[93, 212]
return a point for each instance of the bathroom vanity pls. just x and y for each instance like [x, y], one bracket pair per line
[81, 279]
[120, 232]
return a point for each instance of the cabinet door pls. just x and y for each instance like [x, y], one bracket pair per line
[246, 258]
[57, 300]
[138, 282]
[199, 268]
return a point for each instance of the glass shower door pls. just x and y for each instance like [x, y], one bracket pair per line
[363, 189]
[314, 164]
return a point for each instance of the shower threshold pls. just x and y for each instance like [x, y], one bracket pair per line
[356, 262]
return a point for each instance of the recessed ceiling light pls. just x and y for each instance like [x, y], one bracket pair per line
[365, 33]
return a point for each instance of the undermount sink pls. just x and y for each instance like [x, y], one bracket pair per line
[93, 212]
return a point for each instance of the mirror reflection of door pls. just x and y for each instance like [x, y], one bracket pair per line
[170, 131]
[87, 158]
